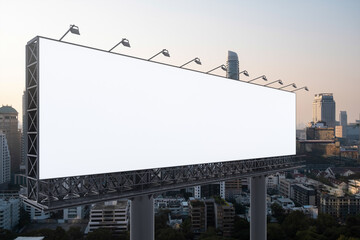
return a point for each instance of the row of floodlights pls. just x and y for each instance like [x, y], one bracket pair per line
[125, 42]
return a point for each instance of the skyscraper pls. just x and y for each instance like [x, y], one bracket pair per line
[343, 119]
[324, 109]
[9, 126]
[4, 160]
[232, 66]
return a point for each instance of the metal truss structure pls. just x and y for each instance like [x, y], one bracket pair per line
[52, 194]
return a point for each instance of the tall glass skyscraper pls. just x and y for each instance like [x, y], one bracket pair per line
[343, 118]
[324, 109]
[232, 66]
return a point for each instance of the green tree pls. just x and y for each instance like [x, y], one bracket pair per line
[60, 234]
[294, 222]
[278, 212]
[343, 237]
[186, 228]
[309, 234]
[7, 235]
[75, 233]
[99, 234]
[275, 232]
[325, 221]
[161, 221]
[241, 229]
[170, 234]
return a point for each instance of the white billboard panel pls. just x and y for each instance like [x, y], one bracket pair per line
[101, 112]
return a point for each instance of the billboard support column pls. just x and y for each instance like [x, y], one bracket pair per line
[142, 218]
[258, 208]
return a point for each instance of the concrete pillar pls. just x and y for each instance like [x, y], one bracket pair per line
[142, 218]
[258, 208]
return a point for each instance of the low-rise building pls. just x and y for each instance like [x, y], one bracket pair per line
[35, 214]
[354, 186]
[74, 213]
[286, 187]
[304, 195]
[207, 213]
[285, 203]
[340, 207]
[273, 181]
[224, 217]
[112, 215]
[198, 216]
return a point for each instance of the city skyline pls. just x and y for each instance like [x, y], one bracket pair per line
[313, 44]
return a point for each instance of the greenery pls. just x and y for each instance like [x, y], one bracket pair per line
[293, 226]
[239, 208]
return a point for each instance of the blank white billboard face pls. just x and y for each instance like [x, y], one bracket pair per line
[101, 112]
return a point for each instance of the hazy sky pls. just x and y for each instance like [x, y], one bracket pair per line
[312, 43]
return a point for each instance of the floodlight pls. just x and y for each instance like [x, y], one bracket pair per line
[73, 29]
[196, 60]
[164, 52]
[278, 81]
[223, 67]
[306, 89]
[263, 78]
[124, 42]
[291, 84]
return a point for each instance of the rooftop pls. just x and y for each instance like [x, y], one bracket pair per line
[7, 109]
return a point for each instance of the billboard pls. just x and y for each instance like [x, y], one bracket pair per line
[102, 112]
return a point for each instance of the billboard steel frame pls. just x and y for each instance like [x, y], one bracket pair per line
[52, 194]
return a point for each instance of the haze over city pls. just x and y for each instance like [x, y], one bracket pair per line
[310, 43]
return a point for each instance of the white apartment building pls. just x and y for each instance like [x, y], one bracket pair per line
[112, 215]
[273, 180]
[9, 213]
[35, 214]
[74, 213]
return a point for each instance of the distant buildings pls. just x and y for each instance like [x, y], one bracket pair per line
[210, 190]
[74, 213]
[9, 126]
[217, 213]
[343, 118]
[273, 180]
[9, 213]
[319, 131]
[36, 214]
[324, 109]
[286, 187]
[304, 195]
[233, 187]
[112, 215]
[340, 207]
[4, 160]
[232, 66]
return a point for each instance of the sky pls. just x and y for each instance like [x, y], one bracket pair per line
[311, 43]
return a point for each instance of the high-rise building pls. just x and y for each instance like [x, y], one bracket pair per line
[324, 109]
[4, 160]
[9, 126]
[23, 135]
[232, 66]
[343, 118]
